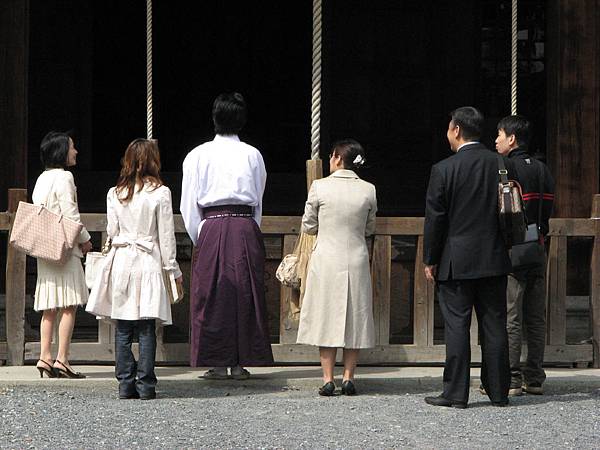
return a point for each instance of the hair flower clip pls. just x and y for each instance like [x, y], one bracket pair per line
[359, 160]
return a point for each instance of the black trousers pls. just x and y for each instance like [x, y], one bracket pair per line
[457, 299]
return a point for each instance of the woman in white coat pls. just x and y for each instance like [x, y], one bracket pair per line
[337, 310]
[131, 288]
[59, 288]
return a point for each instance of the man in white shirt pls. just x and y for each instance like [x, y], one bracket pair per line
[221, 204]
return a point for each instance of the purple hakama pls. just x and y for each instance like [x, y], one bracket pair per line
[228, 313]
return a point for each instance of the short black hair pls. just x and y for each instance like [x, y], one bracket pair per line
[469, 120]
[54, 150]
[348, 150]
[517, 125]
[229, 113]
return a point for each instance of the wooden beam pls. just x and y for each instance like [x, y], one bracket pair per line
[571, 227]
[573, 103]
[14, 42]
[15, 290]
[557, 291]
[423, 302]
[381, 269]
[595, 282]
[314, 171]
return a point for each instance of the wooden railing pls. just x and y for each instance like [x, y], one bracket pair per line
[423, 349]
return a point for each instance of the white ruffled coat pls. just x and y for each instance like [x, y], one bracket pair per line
[131, 284]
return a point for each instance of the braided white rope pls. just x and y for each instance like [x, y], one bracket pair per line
[149, 69]
[513, 60]
[315, 113]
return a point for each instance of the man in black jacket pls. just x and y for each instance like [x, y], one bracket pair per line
[465, 255]
[526, 294]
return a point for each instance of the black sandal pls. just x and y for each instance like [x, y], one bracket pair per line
[66, 372]
[50, 371]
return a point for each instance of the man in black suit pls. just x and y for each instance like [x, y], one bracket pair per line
[465, 255]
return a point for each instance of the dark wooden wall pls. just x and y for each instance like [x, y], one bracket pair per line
[14, 46]
[573, 127]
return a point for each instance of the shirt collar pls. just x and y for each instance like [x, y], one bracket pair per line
[465, 144]
[344, 173]
[227, 137]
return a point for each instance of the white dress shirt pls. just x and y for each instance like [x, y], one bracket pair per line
[224, 171]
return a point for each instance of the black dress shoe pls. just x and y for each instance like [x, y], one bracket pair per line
[500, 404]
[442, 401]
[348, 388]
[131, 396]
[149, 396]
[328, 389]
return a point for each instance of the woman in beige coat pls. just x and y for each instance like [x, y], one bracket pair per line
[337, 310]
[59, 288]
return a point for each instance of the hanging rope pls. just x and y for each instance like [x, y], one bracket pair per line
[513, 60]
[149, 69]
[315, 113]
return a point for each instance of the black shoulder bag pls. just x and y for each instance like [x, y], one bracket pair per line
[531, 253]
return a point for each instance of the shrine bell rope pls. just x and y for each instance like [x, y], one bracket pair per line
[315, 113]
[149, 69]
[513, 60]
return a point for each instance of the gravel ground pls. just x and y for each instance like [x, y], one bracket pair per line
[200, 414]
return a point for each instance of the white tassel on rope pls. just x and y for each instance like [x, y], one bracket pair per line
[513, 59]
[315, 116]
[149, 69]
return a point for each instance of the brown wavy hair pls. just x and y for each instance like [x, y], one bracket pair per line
[140, 164]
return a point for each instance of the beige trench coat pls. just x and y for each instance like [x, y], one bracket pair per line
[337, 310]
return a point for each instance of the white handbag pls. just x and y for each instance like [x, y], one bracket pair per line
[94, 262]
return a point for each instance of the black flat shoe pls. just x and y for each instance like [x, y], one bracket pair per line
[348, 388]
[47, 369]
[65, 372]
[442, 401]
[328, 389]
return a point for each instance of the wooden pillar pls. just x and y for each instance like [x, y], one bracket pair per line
[14, 42]
[314, 171]
[573, 125]
[15, 290]
[595, 281]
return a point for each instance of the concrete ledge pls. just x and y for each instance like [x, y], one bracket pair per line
[372, 380]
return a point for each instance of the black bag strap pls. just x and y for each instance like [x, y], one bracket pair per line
[502, 169]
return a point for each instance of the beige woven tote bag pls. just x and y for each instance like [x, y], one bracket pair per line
[38, 232]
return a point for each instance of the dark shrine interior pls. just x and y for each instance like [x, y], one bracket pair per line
[391, 73]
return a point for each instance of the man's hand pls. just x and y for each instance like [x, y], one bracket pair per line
[85, 247]
[430, 273]
[179, 280]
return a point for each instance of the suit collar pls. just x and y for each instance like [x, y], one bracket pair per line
[344, 173]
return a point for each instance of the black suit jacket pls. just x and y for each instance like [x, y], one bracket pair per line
[462, 235]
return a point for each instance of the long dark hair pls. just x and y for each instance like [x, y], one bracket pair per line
[140, 164]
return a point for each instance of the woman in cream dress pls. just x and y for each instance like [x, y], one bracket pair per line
[131, 287]
[337, 310]
[59, 288]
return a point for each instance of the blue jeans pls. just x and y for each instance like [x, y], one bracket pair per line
[135, 376]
